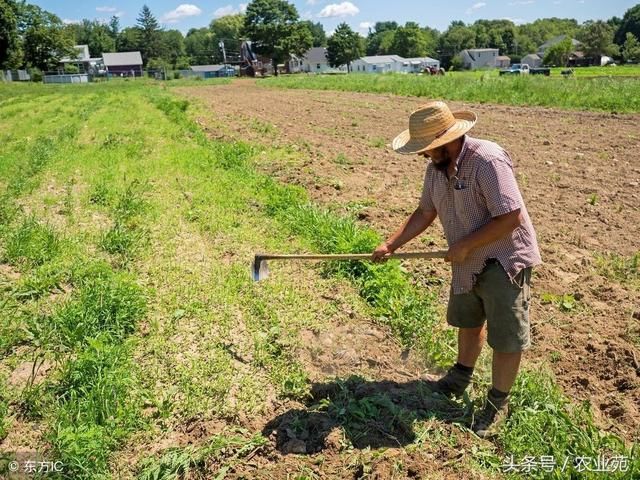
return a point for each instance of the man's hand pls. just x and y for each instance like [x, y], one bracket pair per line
[458, 252]
[383, 250]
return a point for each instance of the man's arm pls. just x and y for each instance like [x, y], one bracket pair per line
[497, 228]
[417, 223]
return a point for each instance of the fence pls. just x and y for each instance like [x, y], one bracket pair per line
[67, 78]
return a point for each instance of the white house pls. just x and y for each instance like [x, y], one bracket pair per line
[378, 64]
[315, 61]
[473, 58]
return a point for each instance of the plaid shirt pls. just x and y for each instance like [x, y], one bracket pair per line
[484, 187]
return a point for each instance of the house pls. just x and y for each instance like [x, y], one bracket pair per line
[502, 61]
[418, 64]
[378, 64]
[533, 60]
[315, 61]
[82, 60]
[473, 58]
[542, 49]
[123, 63]
[212, 71]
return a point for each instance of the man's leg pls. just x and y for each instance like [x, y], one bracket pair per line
[505, 369]
[470, 342]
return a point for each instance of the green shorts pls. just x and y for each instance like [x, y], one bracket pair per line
[502, 303]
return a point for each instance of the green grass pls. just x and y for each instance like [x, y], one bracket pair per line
[602, 94]
[180, 327]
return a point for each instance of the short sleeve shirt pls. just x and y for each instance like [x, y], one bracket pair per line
[483, 187]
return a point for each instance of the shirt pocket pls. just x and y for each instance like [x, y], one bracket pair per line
[465, 204]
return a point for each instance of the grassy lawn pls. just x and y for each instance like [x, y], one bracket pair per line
[125, 241]
[617, 93]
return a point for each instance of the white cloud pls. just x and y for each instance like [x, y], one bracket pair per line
[522, 2]
[230, 10]
[182, 11]
[474, 7]
[69, 21]
[365, 26]
[344, 9]
[312, 2]
[106, 9]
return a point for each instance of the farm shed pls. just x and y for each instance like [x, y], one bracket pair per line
[503, 61]
[473, 58]
[123, 63]
[211, 71]
[533, 60]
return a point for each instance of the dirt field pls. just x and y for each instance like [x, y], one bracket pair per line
[579, 173]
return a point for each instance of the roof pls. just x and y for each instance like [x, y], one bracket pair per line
[556, 40]
[82, 55]
[480, 50]
[382, 59]
[316, 55]
[534, 56]
[421, 60]
[121, 58]
[207, 68]
[503, 57]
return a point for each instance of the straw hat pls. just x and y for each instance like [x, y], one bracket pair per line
[431, 126]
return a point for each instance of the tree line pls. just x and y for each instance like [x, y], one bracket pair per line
[31, 37]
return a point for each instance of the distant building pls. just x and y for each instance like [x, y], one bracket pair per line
[502, 61]
[418, 64]
[533, 60]
[123, 63]
[82, 60]
[315, 61]
[213, 71]
[542, 49]
[378, 64]
[473, 58]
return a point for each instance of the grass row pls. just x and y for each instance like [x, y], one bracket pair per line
[600, 94]
[543, 422]
[90, 401]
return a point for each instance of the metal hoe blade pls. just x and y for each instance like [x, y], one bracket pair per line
[259, 269]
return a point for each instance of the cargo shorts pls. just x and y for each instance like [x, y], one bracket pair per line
[502, 303]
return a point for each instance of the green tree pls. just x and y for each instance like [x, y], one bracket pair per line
[150, 45]
[458, 37]
[129, 39]
[410, 41]
[173, 47]
[343, 47]
[227, 29]
[558, 54]
[597, 38]
[44, 37]
[317, 33]
[274, 28]
[201, 46]
[631, 49]
[95, 34]
[114, 27]
[8, 31]
[630, 23]
[380, 40]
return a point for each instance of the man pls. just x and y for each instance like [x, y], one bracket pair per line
[470, 186]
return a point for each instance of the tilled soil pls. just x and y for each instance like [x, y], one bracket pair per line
[579, 174]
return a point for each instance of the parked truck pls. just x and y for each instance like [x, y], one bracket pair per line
[524, 69]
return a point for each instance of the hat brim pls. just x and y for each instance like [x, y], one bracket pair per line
[404, 144]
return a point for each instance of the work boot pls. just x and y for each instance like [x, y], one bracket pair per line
[454, 382]
[487, 421]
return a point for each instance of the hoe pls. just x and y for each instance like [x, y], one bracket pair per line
[260, 270]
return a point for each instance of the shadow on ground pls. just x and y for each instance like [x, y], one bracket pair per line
[371, 414]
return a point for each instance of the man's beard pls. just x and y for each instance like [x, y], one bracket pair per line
[443, 163]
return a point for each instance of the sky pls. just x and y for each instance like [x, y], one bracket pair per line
[360, 14]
